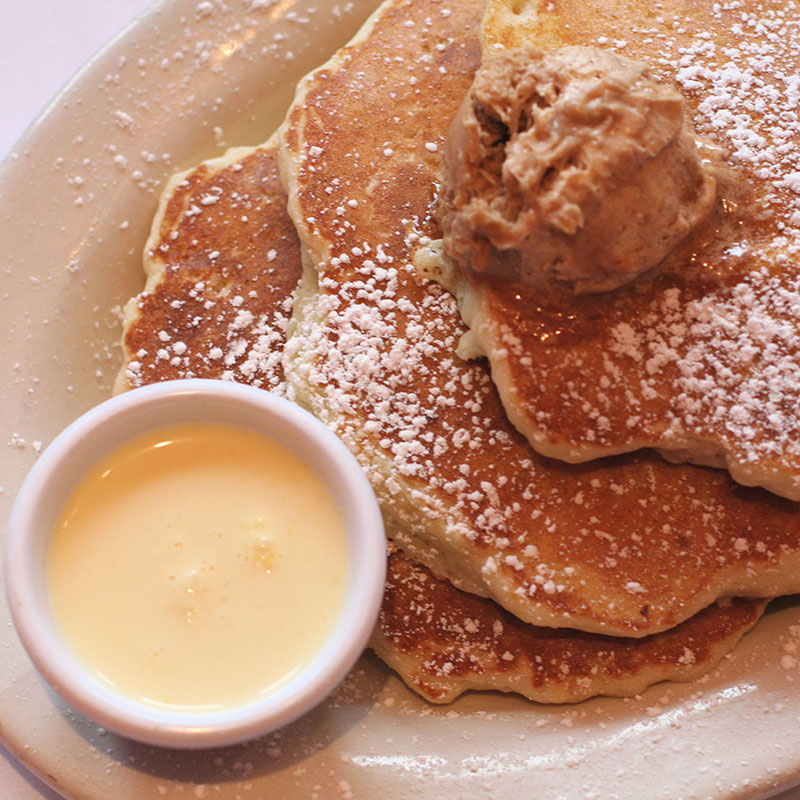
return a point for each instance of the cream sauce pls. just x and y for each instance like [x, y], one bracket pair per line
[198, 566]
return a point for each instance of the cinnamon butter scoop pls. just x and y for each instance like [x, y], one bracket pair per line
[569, 169]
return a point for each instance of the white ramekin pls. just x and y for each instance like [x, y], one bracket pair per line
[103, 429]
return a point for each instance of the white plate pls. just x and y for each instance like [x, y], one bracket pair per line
[75, 203]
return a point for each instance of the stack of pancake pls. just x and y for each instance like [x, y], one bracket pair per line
[507, 569]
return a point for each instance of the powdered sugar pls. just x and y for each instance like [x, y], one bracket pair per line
[372, 352]
[443, 642]
[222, 302]
[701, 359]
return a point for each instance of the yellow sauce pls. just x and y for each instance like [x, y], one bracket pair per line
[198, 566]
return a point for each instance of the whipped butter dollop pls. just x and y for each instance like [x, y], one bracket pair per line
[569, 169]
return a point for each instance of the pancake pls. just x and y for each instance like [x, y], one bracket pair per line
[444, 642]
[701, 358]
[627, 546]
[258, 259]
[221, 264]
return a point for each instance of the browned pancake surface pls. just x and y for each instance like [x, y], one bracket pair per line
[419, 612]
[444, 642]
[701, 358]
[222, 264]
[629, 545]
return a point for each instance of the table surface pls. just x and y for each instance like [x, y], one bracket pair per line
[33, 28]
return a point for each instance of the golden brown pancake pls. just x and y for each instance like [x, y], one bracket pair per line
[221, 265]
[248, 223]
[701, 358]
[444, 642]
[626, 546]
